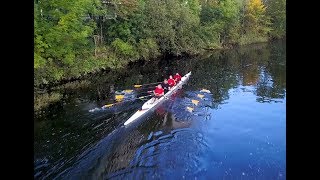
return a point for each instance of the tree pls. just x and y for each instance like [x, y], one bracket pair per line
[63, 32]
[277, 11]
[173, 24]
[230, 12]
[80, 36]
[256, 19]
[39, 44]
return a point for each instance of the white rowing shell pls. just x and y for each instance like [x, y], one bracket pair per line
[150, 105]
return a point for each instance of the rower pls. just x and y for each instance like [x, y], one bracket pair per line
[177, 77]
[165, 85]
[158, 92]
[171, 82]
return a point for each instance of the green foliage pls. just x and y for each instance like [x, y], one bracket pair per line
[148, 49]
[61, 34]
[194, 6]
[277, 11]
[172, 24]
[209, 14]
[230, 13]
[229, 10]
[119, 29]
[252, 38]
[65, 30]
[223, 18]
[211, 35]
[76, 37]
[256, 19]
[124, 49]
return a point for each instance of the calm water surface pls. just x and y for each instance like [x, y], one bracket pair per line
[238, 131]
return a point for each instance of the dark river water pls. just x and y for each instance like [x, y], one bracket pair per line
[238, 131]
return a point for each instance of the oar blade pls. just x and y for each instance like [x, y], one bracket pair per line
[128, 91]
[195, 102]
[142, 97]
[190, 109]
[119, 97]
[139, 85]
[200, 96]
[108, 105]
[145, 96]
[205, 90]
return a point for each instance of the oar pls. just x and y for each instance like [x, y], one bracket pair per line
[119, 97]
[141, 90]
[205, 90]
[141, 97]
[110, 105]
[200, 96]
[194, 102]
[139, 85]
[128, 90]
[190, 109]
[145, 88]
[125, 91]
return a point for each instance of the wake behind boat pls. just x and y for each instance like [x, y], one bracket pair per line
[151, 104]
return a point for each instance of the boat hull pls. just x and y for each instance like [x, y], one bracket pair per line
[152, 104]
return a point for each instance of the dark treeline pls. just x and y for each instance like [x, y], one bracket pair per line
[76, 37]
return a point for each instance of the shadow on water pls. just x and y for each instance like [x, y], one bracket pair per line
[175, 141]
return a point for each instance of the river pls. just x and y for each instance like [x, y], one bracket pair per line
[238, 131]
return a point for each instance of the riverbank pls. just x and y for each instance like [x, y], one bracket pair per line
[76, 42]
[100, 64]
[49, 93]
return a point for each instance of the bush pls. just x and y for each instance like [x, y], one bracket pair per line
[148, 49]
[124, 50]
